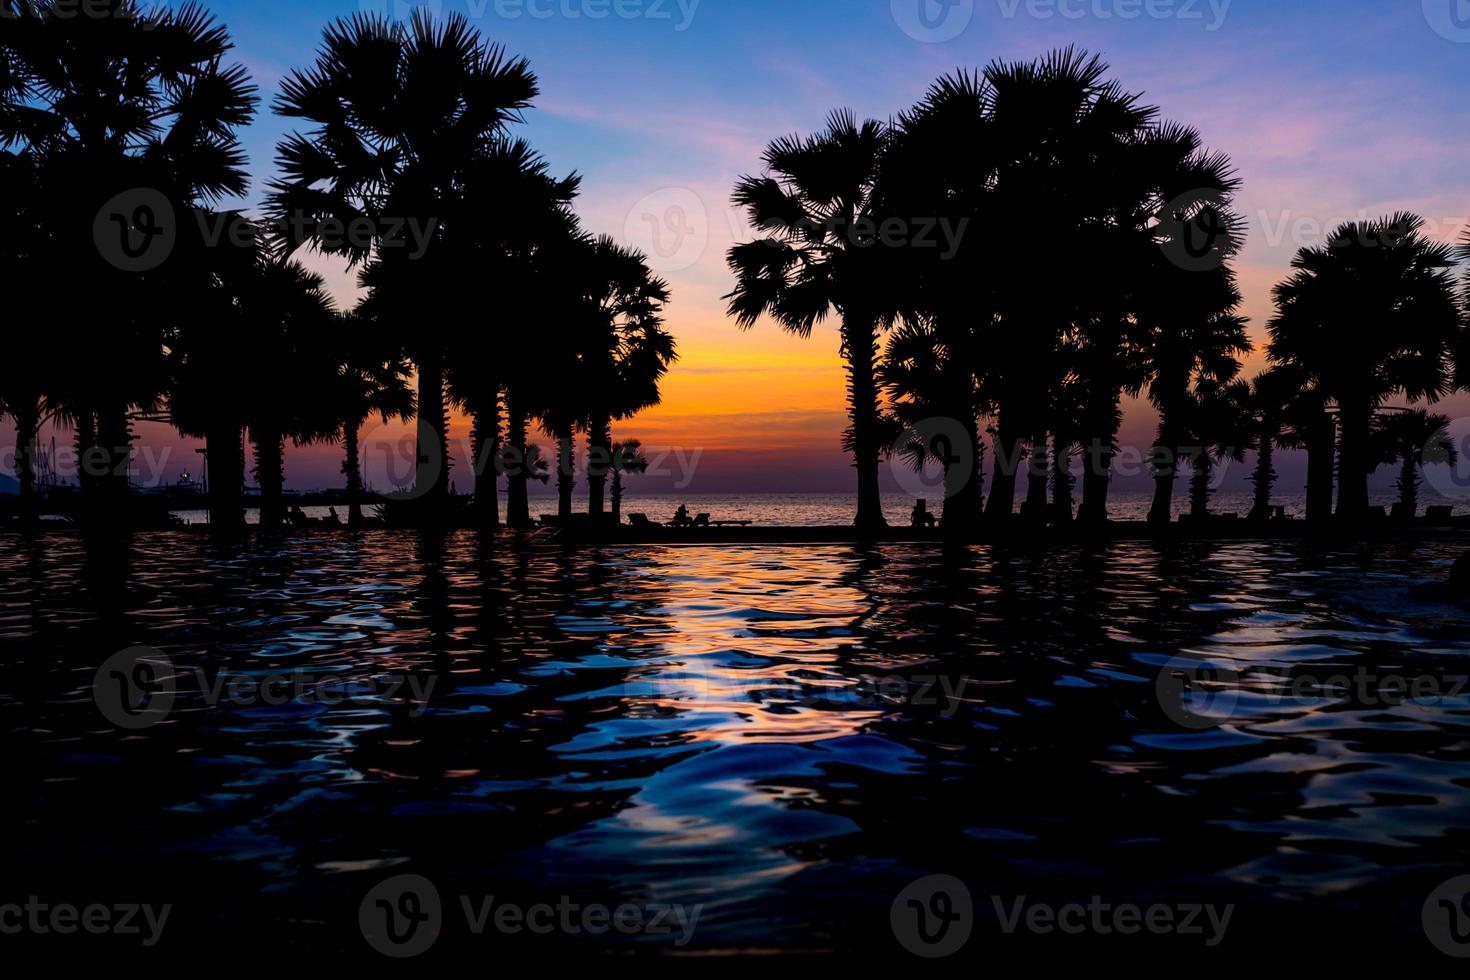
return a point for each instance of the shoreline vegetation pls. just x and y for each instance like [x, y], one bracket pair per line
[1004, 262]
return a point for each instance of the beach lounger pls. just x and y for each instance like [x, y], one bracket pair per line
[640, 521]
[701, 520]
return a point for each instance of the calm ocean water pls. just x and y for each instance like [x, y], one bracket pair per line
[816, 510]
[783, 739]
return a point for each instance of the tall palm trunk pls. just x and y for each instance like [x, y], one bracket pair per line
[1356, 417]
[1167, 450]
[226, 474]
[617, 496]
[115, 435]
[89, 468]
[431, 472]
[964, 486]
[1097, 458]
[1199, 486]
[599, 461]
[1009, 449]
[1321, 439]
[270, 475]
[1264, 477]
[352, 469]
[1062, 483]
[1037, 473]
[486, 447]
[566, 475]
[518, 476]
[27, 415]
[1409, 487]
[860, 342]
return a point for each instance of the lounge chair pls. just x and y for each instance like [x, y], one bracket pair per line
[640, 521]
[701, 520]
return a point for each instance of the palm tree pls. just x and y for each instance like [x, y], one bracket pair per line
[1271, 400]
[1194, 345]
[1414, 439]
[814, 261]
[372, 380]
[403, 115]
[120, 99]
[628, 352]
[627, 457]
[289, 319]
[1372, 312]
[1221, 428]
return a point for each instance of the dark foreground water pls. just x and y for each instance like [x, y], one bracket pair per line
[690, 750]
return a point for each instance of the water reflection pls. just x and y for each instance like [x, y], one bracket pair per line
[785, 736]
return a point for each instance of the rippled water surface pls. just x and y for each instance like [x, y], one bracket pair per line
[784, 736]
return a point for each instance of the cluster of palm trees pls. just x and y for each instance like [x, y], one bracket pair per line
[498, 302]
[1048, 166]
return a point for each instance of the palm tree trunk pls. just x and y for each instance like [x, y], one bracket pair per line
[225, 449]
[1008, 452]
[617, 496]
[1166, 470]
[1264, 477]
[1356, 419]
[88, 465]
[270, 475]
[1409, 487]
[860, 344]
[431, 472]
[964, 487]
[1062, 483]
[1199, 486]
[518, 477]
[1321, 467]
[1101, 435]
[1037, 473]
[27, 415]
[115, 434]
[599, 460]
[486, 447]
[352, 468]
[566, 477]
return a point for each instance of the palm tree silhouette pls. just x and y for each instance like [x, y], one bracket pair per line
[371, 380]
[1221, 429]
[813, 261]
[1372, 312]
[121, 99]
[1272, 402]
[403, 115]
[1414, 439]
[627, 457]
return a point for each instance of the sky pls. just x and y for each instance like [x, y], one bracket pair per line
[1329, 109]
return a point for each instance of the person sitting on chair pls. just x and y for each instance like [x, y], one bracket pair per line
[681, 517]
[921, 519]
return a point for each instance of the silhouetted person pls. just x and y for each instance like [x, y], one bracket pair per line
[921, 519]
[681, 517]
